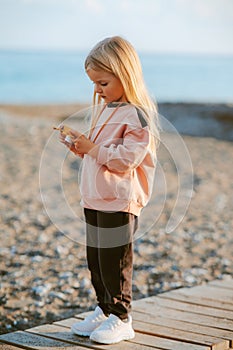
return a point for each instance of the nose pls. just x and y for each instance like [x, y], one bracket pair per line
[98, 88]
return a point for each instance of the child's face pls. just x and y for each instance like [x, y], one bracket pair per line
[107, 86]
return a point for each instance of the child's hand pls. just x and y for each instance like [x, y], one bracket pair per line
[83, 145]
[68, 140]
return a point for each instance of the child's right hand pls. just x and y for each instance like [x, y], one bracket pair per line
[66, 136]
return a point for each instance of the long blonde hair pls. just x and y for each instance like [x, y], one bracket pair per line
[117, 56]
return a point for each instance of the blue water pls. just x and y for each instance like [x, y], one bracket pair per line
[58, 77]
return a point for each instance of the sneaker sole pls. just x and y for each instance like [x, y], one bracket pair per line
[127, 336]
[80, 333]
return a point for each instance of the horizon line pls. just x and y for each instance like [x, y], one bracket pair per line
[139, 51]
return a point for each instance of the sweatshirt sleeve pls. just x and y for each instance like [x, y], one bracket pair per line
[129, 153]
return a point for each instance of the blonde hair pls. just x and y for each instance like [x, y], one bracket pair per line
[117, 56]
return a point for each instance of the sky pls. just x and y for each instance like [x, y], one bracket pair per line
[174, 26]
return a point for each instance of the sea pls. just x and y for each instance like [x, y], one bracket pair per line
[49, 77]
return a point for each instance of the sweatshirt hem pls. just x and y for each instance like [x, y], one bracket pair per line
[115, 205]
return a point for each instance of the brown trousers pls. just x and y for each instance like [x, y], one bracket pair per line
[110, 258]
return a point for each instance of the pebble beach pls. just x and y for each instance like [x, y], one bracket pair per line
[43, 272]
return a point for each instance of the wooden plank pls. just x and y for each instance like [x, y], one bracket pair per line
[168, 344]
[35, 342]
[197, 309]
[68, 322]
[155, 303]
[225, 284]
[180, 295]
[83, 314]
[176, 334]
[63, 333]
[166, 332]
[9, 347]
[186, 316]
[185, 326]
[212, 293]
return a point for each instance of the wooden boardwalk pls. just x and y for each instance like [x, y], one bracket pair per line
[198, 318]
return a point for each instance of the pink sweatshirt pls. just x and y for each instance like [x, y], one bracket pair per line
[121, 176]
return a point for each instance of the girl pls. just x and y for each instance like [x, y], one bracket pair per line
[116, 182]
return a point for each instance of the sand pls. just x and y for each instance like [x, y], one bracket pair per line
[44, 274]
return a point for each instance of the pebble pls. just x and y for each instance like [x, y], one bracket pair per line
[66, 275]
[62, 251]
[190, 279]
[85, 283]
[41, 290]
[58, 295]
[37, 258]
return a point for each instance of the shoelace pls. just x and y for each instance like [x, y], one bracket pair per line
[94, 318]
[111, 323]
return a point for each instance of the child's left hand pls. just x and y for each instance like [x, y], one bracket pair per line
[83, 145]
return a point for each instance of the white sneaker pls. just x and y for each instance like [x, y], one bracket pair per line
[113, 330]
[90, 323]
